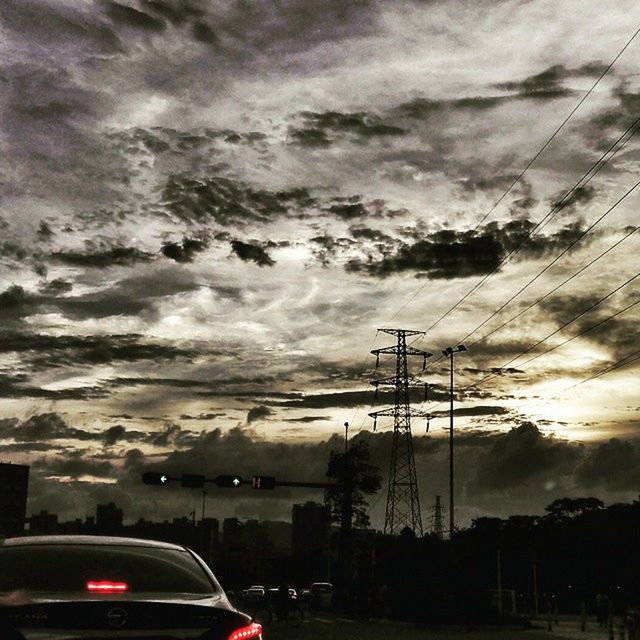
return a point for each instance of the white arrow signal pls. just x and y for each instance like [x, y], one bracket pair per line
[164, 479]
[236, 481]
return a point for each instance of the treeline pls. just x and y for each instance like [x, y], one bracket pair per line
[578, 550]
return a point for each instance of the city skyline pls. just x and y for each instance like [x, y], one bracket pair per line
[209, 209]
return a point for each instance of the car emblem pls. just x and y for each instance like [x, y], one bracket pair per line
[117, 617]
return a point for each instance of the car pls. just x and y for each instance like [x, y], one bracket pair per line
[321, 595]
[86, 587]
[254, 594]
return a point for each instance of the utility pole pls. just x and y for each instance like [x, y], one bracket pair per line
[448, 353]
[403, 502]
[204, 493]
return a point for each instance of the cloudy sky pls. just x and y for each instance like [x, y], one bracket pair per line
[208, 208]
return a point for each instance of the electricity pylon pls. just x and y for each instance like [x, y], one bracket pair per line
[438, 527]
[403, 502]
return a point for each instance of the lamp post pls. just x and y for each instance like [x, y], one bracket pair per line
[448, 353]
[346, 437]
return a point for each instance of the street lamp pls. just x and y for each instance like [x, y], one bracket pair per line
[448, 353]
[346, 437]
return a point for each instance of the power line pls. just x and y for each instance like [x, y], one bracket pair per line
[556, 288]
[578, 335]
[566, 324]
[557, 207]
[619, 364]
[556, 259]
[508, 190]
[555, 133]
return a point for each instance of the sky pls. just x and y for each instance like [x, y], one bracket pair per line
[209, 209]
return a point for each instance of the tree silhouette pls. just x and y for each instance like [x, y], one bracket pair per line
[356, 478]
[570, 507]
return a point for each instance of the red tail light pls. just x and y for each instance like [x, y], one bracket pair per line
[106, 586]
[252, 630]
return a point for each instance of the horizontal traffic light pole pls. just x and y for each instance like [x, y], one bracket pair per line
[229, 481]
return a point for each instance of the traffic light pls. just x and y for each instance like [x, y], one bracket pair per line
[192, 481]
[263, 482]
[154, 477]
[229, 481]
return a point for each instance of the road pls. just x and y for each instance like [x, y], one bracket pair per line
[327, 626]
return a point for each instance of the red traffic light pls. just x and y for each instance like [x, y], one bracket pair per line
[263, 482]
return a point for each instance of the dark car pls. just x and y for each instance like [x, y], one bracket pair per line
[93, 587]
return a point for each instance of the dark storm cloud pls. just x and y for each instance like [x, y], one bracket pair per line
[480, 410]
[308, 419]
[228, 201]
[258, 413]
[615, 335]
[360, 232]
[203, 32]
[43, 427]
[328, 247]
[322, 129]
[624, 113]
[56, 287]
[201, 416]
[546, 85]
[51, 427]
[49, 351]
[355, 398]
[125, 15]
[12, 390]
[185, 251]
[171, 435]
[581, 196]
[44, 232]
[521, 455]
[135, 295]
[100, 257]
[49, 24]
[454, 254]
[612, 465]
[75, 465]
[175, 12]
[157, 382]
[13, 298]
[353, 207]
[252, 252]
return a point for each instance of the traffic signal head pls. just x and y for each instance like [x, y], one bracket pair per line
[263, 482]
[155, 477]
[229, 481]
[192, 481]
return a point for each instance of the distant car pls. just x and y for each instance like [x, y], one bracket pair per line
[321, 595]
[274, 591]
[93, 587]
[254, 594]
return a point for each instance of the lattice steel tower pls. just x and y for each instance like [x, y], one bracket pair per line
[403, 502]
[438, 528]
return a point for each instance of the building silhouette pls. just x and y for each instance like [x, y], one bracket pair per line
[310, 541]
[14, 484]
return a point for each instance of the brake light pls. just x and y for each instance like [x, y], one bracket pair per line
[106, 586]
[253, 630]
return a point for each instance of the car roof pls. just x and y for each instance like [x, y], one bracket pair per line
[88, 540]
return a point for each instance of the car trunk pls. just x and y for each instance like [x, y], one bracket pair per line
[118, 617]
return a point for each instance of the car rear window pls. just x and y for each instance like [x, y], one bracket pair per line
[67, 567]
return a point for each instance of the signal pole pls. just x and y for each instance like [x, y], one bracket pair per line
[403, 501]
